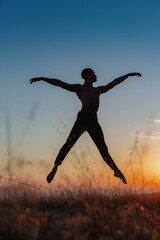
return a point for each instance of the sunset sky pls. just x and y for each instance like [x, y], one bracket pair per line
[58, 38]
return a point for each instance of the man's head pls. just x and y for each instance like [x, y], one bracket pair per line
[89, 74]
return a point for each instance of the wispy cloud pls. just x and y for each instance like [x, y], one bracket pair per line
[155, 136]
[152, 135]
[156, 120]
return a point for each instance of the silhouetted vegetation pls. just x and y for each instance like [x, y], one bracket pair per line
[30, 212]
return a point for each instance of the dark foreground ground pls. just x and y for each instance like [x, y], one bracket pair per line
[26, 214]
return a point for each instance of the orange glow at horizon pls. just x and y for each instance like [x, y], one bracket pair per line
[93, 175]
[84, 166]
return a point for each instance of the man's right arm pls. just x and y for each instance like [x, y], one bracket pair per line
[58, 83]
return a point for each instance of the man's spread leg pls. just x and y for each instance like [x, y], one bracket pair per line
[76, 132]
[112, 165]
[52, 174]
[97, 136]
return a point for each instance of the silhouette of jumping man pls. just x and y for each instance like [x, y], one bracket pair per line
[87, 117]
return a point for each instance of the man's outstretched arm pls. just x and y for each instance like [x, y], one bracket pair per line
[58, 83]
[117, 81]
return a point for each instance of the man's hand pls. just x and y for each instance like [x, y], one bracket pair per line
[36, 79]
[135, 74]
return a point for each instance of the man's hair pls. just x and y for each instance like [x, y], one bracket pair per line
[85, 71]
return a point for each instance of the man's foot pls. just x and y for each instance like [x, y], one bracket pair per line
[119, 174]
[51, 174]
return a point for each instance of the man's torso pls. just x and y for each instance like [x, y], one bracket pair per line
[90, 97]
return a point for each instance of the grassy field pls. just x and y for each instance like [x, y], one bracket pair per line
[29, 212]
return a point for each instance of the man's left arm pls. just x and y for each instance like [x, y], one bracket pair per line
[116, 81]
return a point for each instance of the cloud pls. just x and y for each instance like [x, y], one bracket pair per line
[156, 120]
[153, 135]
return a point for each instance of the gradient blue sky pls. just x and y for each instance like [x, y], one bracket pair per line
[58, 38]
